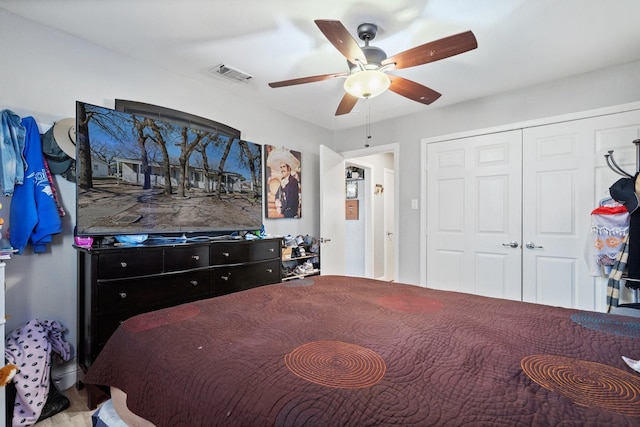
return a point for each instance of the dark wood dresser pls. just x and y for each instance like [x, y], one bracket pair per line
[115, 283]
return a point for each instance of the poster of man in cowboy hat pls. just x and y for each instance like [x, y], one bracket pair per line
[283, 183]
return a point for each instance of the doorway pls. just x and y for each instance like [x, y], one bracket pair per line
[379, 210]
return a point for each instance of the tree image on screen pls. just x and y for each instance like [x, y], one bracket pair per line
[141, 175]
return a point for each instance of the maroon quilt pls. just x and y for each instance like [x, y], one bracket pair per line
[334, 351]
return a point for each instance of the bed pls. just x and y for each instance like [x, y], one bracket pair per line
[335, 350]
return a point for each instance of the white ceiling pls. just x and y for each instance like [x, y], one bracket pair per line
[520, 43]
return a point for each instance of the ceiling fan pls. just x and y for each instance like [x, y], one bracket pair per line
[367, 76]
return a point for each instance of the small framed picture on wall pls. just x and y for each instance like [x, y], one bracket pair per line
[351, 209]
[352, 190]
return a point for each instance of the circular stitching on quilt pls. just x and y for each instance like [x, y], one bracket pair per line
[336, 364]
[586, 383]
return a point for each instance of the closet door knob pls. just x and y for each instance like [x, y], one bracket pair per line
[512, 244]
[531, 245]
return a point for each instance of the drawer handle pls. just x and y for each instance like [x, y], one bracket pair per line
[123, 295]
[123, 264]
[271, 250]
[196, 257]
[225, 254]
[269, 270]
[225, 278]
[194, 282]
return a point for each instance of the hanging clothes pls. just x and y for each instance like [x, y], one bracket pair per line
[615, 277]
[609, 227]
[633, 264]
[625, 191]
[34, 216]
[12, 140]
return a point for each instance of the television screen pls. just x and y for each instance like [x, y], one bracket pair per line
[140, 175]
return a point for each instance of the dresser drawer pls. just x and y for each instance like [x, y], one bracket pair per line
[186, 258]
[109, 322]
[129, 264]
[240, 277]
[229, 253]
[267, 249]
[149, 293]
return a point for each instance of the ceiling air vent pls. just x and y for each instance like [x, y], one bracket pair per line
[230, 73]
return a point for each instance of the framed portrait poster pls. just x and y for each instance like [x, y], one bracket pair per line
[283, 188]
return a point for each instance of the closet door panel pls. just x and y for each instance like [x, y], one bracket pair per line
[618, 135]
[556, 281]
[451, 206]
[473, 211]
[450, 271]
[558, 186]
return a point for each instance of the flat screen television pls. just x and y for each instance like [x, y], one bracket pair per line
[142, 175]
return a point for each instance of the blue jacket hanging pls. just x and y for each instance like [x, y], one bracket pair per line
[34, 216]
[12, 135]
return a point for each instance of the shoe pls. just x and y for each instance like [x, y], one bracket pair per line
[308, 267]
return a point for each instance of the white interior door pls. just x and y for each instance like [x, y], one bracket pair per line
[332, 212]
[474, 215]
[564, 177]
[617, 136]
[558, 188]
[389, 225]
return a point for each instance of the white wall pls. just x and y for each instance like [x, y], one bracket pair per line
[614, 86]
[42, 75]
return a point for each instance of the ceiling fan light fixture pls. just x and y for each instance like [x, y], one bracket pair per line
[367, 83]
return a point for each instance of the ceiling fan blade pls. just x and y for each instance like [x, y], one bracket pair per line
[309, 79]
[347, 104]
[338, 35]
[434, 51]
[412, 90]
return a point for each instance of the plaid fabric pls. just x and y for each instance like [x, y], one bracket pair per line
[615, 276]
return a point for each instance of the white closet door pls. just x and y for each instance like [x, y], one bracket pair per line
[558, 189]
[564, 177]
[617, 134]
[474, 215]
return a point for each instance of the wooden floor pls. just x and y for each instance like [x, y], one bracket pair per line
[77, 415]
